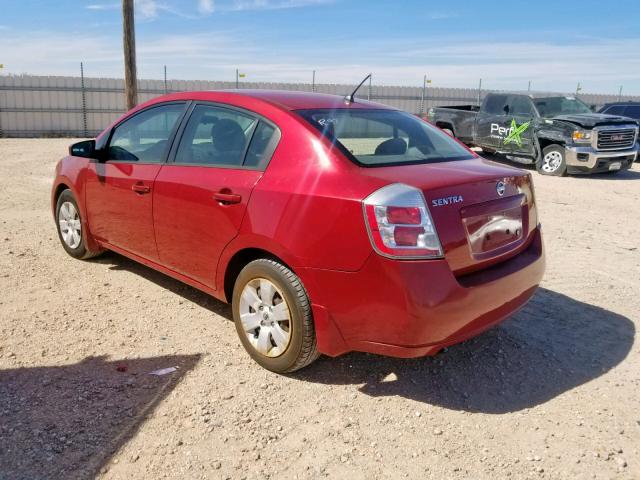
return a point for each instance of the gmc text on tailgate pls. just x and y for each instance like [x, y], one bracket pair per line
[559, 134]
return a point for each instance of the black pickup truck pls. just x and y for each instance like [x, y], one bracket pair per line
[559, 134]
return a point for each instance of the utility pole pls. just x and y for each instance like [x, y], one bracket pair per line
[129, 42]
[369, 92]
[313, 82]
[479, 91]
[620, 94]
[578, 88]
[529, 87]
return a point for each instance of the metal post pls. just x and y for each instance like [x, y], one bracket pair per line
[165, 80]
[620, 94]
[529, 87]
[129, 42]
[479, 91]
[424, 95]
[369, 92]
[84, 101]
[237, 78]
[313, 82]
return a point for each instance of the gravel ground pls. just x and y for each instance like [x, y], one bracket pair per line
[553, 392]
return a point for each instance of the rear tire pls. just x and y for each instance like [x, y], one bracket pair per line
[273, 318]
[449, 132]
[552, 162]
[71, 231]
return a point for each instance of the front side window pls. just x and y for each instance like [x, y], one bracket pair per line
[385, 137]
[216, 136]
[554, 106]
[520, 105]
[615, 110]
[145, 136]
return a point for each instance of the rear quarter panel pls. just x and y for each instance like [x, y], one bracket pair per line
[306, 208]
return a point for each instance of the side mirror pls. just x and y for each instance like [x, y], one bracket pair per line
[85, 149]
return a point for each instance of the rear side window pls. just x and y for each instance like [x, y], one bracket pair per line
[144, 137]
[261, 142]
[216, 136]
[385, 137]
[495, 104]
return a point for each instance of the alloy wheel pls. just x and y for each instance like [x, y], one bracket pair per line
[70, 225]
[265, 317]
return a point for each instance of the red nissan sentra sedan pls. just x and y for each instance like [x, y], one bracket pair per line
[329, 225]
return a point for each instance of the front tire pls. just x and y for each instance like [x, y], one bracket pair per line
[273, 318]
[552, 162]
[69, 224]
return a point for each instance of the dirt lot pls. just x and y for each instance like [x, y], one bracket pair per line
[552, 393]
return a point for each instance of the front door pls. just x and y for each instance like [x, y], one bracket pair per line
[119, 189]
[201, 194]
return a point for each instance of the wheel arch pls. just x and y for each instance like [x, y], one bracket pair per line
[447, 125]
[239, 260]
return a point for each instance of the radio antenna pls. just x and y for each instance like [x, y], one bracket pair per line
[350, 98]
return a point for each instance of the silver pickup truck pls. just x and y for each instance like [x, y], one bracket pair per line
[559, 134]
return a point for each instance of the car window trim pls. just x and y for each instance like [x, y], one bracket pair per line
[266, 157]
[170, 139]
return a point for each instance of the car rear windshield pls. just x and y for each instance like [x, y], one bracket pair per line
[376, 138]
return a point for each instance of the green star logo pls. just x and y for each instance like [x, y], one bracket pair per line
[516, 131]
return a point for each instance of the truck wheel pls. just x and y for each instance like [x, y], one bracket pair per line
[552, 162]
[72, 236]
[272, 314]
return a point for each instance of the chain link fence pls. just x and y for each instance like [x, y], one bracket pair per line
[36, 106]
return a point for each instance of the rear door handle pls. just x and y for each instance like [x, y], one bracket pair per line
[140, 188]
[227, 198]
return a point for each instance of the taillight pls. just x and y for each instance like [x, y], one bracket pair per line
[399, 223]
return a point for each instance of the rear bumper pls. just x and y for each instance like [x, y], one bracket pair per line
[588, 160]
[415, 308]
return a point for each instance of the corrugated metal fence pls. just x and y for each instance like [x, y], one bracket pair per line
[32, 106]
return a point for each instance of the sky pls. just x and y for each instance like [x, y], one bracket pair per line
[552, 44]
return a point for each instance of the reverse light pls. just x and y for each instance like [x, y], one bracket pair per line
[581, 136]
[399, 223]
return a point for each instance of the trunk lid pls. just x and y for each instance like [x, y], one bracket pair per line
[477, 226]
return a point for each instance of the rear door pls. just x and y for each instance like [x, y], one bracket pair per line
[119, 188]
[519, 137]
[492, 121]
[201, 194]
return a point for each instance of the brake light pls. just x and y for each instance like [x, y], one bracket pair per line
[399, 223]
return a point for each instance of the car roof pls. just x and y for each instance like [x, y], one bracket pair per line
[284, 99]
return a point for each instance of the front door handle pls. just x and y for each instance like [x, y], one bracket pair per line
[226, 197]
[140, 188]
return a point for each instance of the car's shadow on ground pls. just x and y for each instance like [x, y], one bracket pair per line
[554, 344]
[67, 421]
[193, 295]
[632, 174]
[551, 346]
